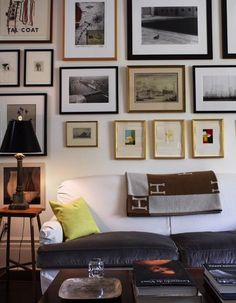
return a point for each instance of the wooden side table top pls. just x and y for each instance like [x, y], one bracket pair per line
[30, 212]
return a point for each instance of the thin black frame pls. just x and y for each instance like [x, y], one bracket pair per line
[225, 30]
[26, 51]
[131, 56]
[17, 51]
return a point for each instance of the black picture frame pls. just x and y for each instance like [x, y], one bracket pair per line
[228, 29]
[9, 67]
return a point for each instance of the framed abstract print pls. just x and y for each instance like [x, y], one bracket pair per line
[9, 67]
[81, 133]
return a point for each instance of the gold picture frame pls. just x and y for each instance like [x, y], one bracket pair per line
[81, 133]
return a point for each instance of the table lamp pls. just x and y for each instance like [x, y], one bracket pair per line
[19, 138]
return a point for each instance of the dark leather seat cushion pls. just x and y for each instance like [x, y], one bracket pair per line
[197, 248]
[119, 248]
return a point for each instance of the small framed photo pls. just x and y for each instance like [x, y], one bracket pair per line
[228, 10]
[130, 139]
[88, 90]
[81, 133]
[9, 67]
[169, 139]
[90, 30]
[208, 138]
[156, 88]
[169, 29]
[38, 69]
[33, 181]
[214, 89]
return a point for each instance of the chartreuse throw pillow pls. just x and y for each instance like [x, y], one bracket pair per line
[75, 218]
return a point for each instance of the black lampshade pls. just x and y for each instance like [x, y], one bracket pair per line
[20, 138]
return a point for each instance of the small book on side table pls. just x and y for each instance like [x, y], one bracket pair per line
[218, 297]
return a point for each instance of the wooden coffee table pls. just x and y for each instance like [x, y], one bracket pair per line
[125, 276]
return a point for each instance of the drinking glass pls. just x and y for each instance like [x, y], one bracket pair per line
[96, 268]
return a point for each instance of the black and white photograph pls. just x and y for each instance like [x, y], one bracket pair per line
[22, 112]
[228, 11]
[9, 68]
[81, 133]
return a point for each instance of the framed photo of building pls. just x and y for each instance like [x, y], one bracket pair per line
[208, 138]
[90, 30]
[81, 133]
[214, 88]
[169, 29]
[228, 9]
[156, 88]
[130, 139]
[169, 139]
[88, 90]
[9, 67]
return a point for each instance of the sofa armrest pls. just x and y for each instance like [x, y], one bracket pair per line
[51, 232]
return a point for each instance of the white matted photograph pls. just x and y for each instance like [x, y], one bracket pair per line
[9, 67]
[81, 133]
[228, 11]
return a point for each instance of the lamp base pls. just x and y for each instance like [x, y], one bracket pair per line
[19, 202]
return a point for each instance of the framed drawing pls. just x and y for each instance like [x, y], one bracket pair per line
[38, 69]
[169, 29]
[25, 106]
[81, 133]
[214, 89]
[88, 90]
[208, 138]
[228, 9]
[156, 88]
[130, 139]
[33, 181]
[9, 67]
[169, 139]
[90, 30]
[26, 21]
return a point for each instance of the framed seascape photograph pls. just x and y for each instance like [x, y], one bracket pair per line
[208, 138]
[81, 133]
[169, 139]
[169, 29]
[228, 9]
[88, 90]
[214, 89]
[33, 182]
[38, 68]
[26, 21]
[156, 88]
[130, 139]
[31, 106]
[9, 67]
[90, 30]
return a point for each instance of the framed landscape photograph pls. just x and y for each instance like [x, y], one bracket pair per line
[90, 29]
[31, 106]
[228, 9]
[214, 88]
[88, 90]
[81, 133]
[169, 139]
[208, 138]
[38, 68]
[130, 139]
[169, 29]
[26, 21]
[156, 88]
[9, 67]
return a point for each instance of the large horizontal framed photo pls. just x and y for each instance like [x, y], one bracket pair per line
[90, 30]
[88, 90]
[214, 88]
[33, 182]
[27, 21]
[169, 29]
[208, 138]
[25, 106]
[130, 139]
[38, 68]
[156, 88]
[81, 133]
[228, 28]
[9, 68]
[169, 139]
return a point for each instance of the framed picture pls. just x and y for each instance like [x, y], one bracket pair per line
[9, 67]
[90, 30]
[81, 133]
[38, 69]
[169, 139]
[88, 90]
[156, 88]
[169, 29]
[228, 9]
[26, 21]
[25, 106]
[33, 181]
[130, 139]
[214, 89]
[208, 138]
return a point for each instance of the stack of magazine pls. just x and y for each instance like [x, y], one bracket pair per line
[160, 281]
[220, 282]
